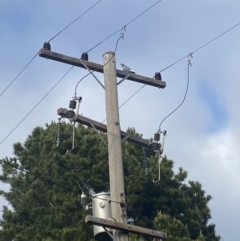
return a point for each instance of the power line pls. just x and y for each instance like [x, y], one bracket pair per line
[72, 66]
[96, 69]
[132, 96]
[124, 26]
[35, 106]
[48, 169]
[39, 177]
[19, 74]
[204, 45]
[74, 20]
[48, 41]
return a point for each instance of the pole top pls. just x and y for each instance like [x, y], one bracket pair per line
[109, 52]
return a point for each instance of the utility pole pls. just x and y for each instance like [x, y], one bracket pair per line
[114, 144]
[118, 205]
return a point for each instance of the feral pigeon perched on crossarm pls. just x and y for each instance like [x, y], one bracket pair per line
[127, 69]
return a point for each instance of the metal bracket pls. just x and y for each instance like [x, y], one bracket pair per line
[119, 82]
[159, 169]
[91, 72]
[98, 133]
[111, 236]
[125, 138]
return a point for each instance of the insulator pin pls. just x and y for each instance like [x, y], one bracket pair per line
[83, 199]
[47, 46]
[157, 137]
[155, 146]
[158, 76]
[84, 56]
[72, 104]
[70, 114]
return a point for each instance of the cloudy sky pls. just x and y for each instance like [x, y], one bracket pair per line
[203, 135]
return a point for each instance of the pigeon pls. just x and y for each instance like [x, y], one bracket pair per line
[127, 69]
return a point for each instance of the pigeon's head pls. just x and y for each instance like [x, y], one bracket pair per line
[122, 65]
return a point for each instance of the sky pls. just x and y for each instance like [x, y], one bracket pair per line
[203, 134]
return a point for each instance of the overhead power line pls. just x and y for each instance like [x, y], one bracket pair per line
[34, 107]
[19, 74]
[48, 41]
[201, 47]
[117, 31]
[103, 65]
[204, 45]
[39, 177]
[75, 20]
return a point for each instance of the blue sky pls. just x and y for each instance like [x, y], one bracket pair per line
[203, 135]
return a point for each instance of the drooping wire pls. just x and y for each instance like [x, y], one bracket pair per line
[35, 106]
[18, 74]
[74, 20]
[124, 26]
[39, 177]
[185, 95]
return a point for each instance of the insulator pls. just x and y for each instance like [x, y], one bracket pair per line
[83, 199]
[130, 220]
[155, 146]
[158, 76]
[91, 192]
[72, 104]
[157, 136]
[70, 114]
[58, 130]
[84, 56]
[145, 162]
[47, 46]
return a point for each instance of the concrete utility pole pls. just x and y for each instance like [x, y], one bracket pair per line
[114, 144]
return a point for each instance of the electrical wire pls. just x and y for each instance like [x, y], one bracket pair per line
[204, 45]
[132, 96]
[47, 170]
[185, 95]
[124, 26]
[96, 68]
[74, 175]
[48, 42]
[39, 177]
[45, 97]
[72, 66]
[201, 47]
[74, 20]
[19, 74]
[35, 106]
[128, 99]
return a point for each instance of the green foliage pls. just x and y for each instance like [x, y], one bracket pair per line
[46, 212]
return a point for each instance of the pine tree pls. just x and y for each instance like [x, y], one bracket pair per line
[45, 211]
